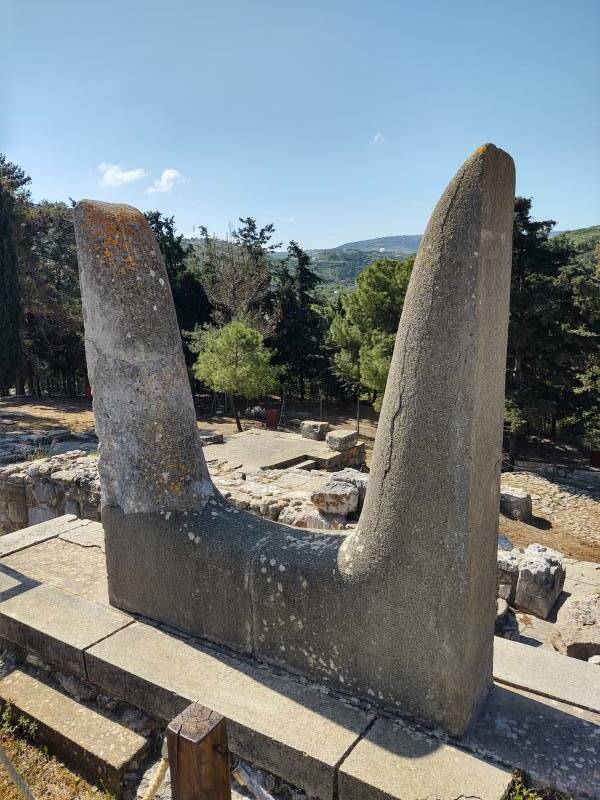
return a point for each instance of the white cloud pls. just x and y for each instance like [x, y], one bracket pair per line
[379, 138]
[166, 182]
[113, 175]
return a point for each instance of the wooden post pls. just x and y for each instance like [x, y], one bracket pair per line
[199, 755]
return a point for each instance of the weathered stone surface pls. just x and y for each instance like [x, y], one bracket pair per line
[50, 487]
[553, 743]
[541, 579]
[507, 573]
[577, 630]
[354, 477]
[296, 598]
[70, 567]
[515, 503]
[57, 626]
[595, 660]
[397, 762]
[539, 670]
[151, 454]
[291, 730]
[433, 491]
[93, 745]
[341, 440]
[336, 498]
[311, 429]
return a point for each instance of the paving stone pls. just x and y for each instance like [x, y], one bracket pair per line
[547, 673]
[94, 746]
[57, 626]
[26, 537]
[395, 760]
[274, 722]
[91, 535]
[79, 570]
[556, 744]
[13, 583]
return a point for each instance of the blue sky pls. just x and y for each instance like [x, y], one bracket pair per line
[334, 120]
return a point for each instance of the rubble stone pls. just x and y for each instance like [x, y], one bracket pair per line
[515, 503]
[577, 629]
[312, 429]
[336, 498]
[508, 573]
[541, 580]
[341, 440]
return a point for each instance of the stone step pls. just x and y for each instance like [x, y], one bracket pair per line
[293, 730]
[97, 748]
[397, 762]
[57, 626]
[34, 534]
[547, 673]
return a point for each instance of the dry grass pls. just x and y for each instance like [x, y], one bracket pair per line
[47, 777]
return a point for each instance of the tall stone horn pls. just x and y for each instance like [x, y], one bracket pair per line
[434, 482]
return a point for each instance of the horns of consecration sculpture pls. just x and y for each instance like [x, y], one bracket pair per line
[441, 417]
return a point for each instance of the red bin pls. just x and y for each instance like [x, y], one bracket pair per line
[272, 418]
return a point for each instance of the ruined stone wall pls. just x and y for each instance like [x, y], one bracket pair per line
[35, 491]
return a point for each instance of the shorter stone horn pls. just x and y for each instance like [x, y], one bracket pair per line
[400, 611]
[151, 456]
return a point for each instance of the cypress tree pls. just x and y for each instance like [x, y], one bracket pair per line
[10, 302]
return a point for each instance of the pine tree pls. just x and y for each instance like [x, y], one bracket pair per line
[364, 330]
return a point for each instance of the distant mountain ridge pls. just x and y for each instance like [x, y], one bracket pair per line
[395, 244]
[343, 264]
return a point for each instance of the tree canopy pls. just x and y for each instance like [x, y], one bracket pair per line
[234, 360]
[365, 329]
[554, 325]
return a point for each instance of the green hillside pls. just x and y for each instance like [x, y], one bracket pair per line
[586, 241]
[343, 264]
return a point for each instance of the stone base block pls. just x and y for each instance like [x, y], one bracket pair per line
[515, 503]
[311, 429]
[341, 440]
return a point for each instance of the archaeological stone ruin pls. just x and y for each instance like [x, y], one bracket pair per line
[340, 622]
[324, 605]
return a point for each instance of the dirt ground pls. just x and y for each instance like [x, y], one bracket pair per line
[77, 415]
[566, 515]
